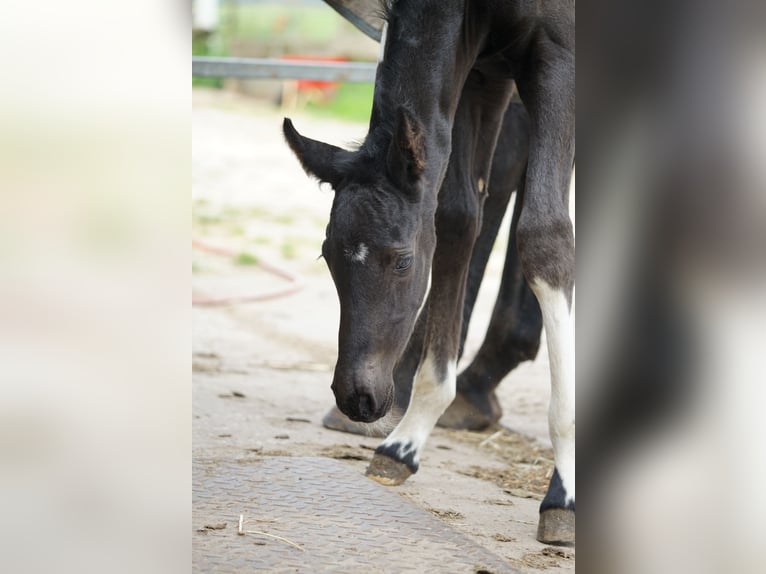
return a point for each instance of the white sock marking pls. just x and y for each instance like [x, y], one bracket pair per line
[430, 398]
[559, 331]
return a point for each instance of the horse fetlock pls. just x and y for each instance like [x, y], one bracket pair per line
[472, 411]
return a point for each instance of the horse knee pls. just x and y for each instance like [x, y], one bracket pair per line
[523, 340]
[458, 219]
[514, 335]
[546, 248]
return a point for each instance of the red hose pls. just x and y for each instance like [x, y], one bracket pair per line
[296, 283]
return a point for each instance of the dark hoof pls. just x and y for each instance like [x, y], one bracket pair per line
[387, 471]
[336, 420]
[557, 527]
[472, 412]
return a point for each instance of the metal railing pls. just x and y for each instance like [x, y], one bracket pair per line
[271, 69]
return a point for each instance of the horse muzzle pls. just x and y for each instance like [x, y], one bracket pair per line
[360, 399]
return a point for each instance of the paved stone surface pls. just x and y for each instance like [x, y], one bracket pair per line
[343, 521]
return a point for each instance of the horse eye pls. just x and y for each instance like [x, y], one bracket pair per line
[403, 262]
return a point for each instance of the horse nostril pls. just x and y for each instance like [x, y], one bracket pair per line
[366, 405]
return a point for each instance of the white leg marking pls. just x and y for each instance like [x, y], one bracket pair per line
[430, 398]
[559, 331]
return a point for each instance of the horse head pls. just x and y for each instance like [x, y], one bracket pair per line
[378, 248]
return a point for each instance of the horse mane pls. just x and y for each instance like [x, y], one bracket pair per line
[384, 10]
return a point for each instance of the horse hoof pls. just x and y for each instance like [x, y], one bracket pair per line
[557, 527]
[387, 471]
[336, 420]
[472, 412]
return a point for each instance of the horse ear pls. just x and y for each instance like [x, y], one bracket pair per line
[317, 158]
[406, 153]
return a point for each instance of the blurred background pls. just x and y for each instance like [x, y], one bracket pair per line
[250, 196]
[251, 199]
[293, 30]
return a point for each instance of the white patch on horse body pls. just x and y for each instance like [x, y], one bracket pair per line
[358, 254]
[430, 398]
[559, 332]
[383, 36]
[481, 185]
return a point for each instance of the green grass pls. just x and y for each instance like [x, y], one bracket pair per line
[202, 45]
[257, 212]
[288, 250]
[268, 30]
[351, 102]
[284, 219]
[245, 258]
[206, 219]
[275, 23]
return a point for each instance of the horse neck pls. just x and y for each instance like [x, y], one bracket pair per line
[424, 67]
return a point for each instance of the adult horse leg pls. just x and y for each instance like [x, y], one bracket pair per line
[546, 248]
[477, 125]
[513, 336]
[508, 165]
[506, 176]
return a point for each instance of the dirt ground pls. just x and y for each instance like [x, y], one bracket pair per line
[262, 370]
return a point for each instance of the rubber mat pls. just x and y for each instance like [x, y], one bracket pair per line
[318, 515]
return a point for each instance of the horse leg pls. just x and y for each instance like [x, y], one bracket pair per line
[513, 336]
[514, 330]
[546, 248]
[507, 170]
[508, 164]
[477, 125]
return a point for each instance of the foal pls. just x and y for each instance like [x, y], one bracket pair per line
[444, 60]
[513, 333]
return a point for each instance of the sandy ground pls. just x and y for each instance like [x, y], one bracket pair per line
[262, 370]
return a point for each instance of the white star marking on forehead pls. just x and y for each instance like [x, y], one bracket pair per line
[357, 254]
